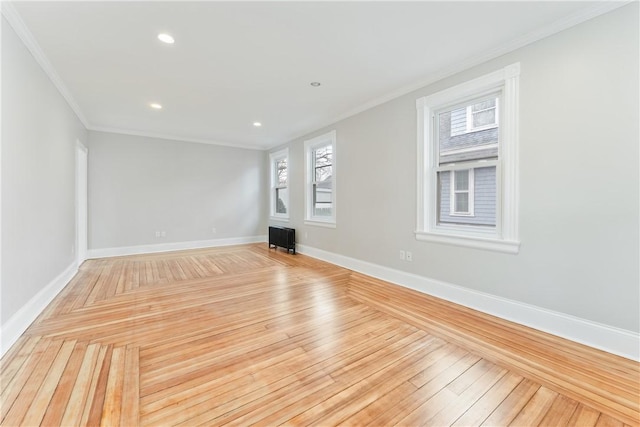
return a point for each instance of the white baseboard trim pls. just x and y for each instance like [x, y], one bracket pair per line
[22, 319]
[168, 247]
[603, 337]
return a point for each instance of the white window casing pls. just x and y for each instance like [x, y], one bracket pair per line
[314, 195]
[504, 236]
[278, 188]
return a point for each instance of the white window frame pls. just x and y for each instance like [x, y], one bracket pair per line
[504, 237]
[470, 191]
[274, 158]
[310, 145]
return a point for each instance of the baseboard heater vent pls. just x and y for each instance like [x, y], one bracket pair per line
[283, 237]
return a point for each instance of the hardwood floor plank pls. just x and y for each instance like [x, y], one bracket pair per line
[81, 387]
[246, 335]
[440, 375]
[478, 386]
[482, 408]
[17, 400]
[560, 412]
[14, 360]
[509, 408]
[535, 410]
[59, 400]
[94, 415]
[112, 406]
[584, 416]
[37, 409]
[369, 413]
[608, 421]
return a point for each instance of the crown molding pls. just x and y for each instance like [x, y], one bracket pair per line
[18, 25]
[170, 137]
[560, 25]
[16, 22]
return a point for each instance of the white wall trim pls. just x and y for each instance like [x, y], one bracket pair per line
[21, 29]
[565, 23]
[177, 246]
[22, 319]
[603, 337]
[506, 81]
[274, 157]
[169, 137]
[328, 138]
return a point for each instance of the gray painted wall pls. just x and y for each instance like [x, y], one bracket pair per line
[39, 133]
[579, 148]
[140, 185]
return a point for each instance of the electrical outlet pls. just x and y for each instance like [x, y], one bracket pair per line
[213, 230]
[409, 256]
[157, 234]
[402, 255]
[163, 234]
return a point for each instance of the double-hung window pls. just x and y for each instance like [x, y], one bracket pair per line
[279, 184]
[467, 163]
[320, 190]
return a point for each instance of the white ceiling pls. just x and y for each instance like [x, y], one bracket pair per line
[234, 63]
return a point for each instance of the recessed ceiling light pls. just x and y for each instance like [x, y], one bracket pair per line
[166, 38]
[155, 106]
[315, 84]
[257, 124]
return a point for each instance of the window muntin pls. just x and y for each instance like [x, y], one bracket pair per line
[485, 214]
[321, 169]
[279, 185]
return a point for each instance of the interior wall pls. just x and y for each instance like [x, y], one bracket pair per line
[579, 180]
[140, 185]
[39, 133]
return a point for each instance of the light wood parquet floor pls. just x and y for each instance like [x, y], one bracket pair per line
[245, 335]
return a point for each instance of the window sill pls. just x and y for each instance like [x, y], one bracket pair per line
[278, 218]
[318, 223]
[490, 244]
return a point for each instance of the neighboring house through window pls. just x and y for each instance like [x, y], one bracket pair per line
[320, 166]
[467, 184]
[279, 184]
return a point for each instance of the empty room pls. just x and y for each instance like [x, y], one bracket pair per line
[320, 213]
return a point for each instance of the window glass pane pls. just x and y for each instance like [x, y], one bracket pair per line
[462, 180]
[489, 103]
[281, 172]
[282, 197]
[323, 156]
[458, 141]
[484, 199]
[484, 118]
[462, 203]
[458, 121]
[323, 173]
[322, 200]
